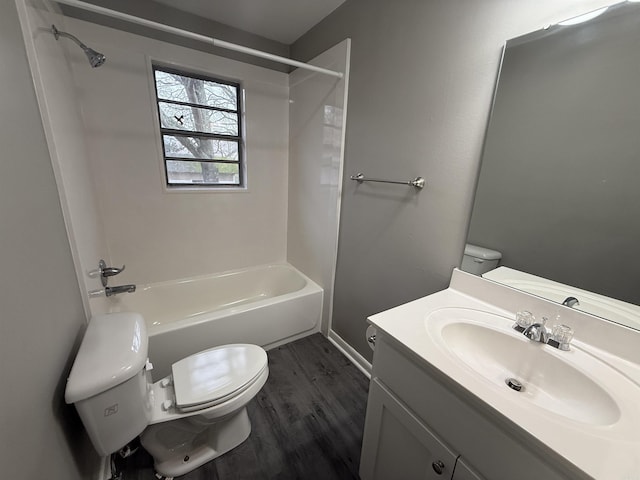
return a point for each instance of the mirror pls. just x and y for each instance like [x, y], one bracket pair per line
[559, 187]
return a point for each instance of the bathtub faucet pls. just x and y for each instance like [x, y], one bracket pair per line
[109, 291]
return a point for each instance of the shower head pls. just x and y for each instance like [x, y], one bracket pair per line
[95, 58]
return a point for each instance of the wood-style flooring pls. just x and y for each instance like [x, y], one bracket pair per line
[307, 421]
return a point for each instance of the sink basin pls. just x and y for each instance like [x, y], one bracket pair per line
[558, 382]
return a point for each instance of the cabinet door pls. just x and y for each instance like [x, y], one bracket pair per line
[464, 472]
[397, 445]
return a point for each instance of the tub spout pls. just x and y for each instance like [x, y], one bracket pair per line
[109, 291]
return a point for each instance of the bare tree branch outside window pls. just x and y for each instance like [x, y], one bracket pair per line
[200, 126]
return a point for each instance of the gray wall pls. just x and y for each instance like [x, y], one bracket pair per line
[422, 77]
[42, 315]
[561, 158]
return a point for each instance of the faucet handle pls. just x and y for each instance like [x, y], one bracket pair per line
[111, 271]
[105, 272]
[562, 335]
[524, 319]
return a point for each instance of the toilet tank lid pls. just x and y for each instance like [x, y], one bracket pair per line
[113, 350]
[481, 252]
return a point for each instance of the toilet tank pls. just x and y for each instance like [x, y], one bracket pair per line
[109, 383]
[478, 260]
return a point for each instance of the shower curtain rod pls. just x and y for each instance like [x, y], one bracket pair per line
[195, 36]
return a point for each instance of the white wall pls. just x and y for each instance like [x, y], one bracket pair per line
[160, 234]
[317, 116]
[64, 129]
[41, 312]
[421, 81]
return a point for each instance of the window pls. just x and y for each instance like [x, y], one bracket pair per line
[200, 124]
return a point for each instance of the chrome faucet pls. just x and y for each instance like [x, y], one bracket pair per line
[560, 337]
[109, 291]
[570, 302]
[106, 272]
[111, 271]
[537, 332]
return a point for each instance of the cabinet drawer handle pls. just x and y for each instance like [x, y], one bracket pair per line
[438, 467]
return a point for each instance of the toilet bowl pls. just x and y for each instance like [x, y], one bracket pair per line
[185, 419]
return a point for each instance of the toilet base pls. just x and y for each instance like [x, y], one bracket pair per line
[180, 446]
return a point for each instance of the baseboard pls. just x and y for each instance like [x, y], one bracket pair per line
[348, 351]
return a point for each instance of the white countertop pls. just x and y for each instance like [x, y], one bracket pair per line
[605, 452]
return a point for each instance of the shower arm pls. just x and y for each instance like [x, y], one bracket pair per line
[95, 58]
[57, 33]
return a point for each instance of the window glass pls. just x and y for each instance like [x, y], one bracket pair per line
[188, 173]
[186, 89]
[178, 146]
[194, 119]
[201, 130]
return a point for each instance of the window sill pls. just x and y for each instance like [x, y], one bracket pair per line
[197, 189]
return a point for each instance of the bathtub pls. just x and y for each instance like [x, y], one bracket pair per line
[267, 305]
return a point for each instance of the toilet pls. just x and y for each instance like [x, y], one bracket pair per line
[479, 260]
[185, 419]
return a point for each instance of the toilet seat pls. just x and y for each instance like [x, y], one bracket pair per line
[215, 375]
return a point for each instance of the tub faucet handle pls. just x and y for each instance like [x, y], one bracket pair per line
[105, 272]
[110, 271]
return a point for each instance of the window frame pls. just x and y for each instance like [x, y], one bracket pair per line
[239, 139]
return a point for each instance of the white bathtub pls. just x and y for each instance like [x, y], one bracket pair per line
[267, 305]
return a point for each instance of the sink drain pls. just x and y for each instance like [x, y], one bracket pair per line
[514, 384]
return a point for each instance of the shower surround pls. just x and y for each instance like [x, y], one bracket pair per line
[107, 156]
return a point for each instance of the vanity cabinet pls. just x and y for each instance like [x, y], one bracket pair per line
[463, 472]
[417, 417]
[397, 444]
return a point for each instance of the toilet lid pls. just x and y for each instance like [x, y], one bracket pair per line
[216, 374]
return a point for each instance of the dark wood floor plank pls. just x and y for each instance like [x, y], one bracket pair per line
[307, 421]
